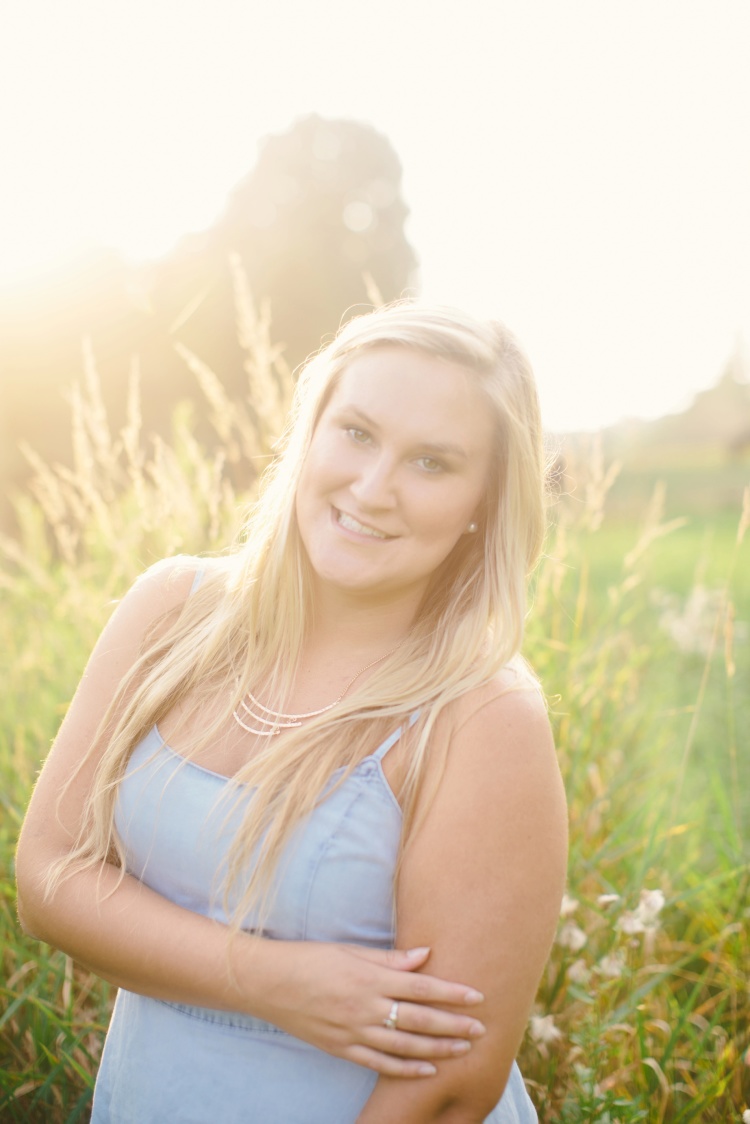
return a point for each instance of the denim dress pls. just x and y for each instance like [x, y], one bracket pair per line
[169, 1062]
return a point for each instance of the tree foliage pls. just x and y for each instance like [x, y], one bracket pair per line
[318, 226]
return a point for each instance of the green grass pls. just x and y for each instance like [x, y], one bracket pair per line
[694, 577]
[653, 735]
[642, 1015]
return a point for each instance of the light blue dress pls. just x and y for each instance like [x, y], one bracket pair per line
[168, 1062]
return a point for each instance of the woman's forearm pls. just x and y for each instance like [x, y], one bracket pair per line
[421, 1103]
[137, 939]
[464, 1091]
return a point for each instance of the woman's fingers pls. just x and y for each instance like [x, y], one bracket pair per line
[388, 1064]
[417, 1019]
[421, 988]
[402, 960]
[417, 986]
[399, 1053]
[402, 1044]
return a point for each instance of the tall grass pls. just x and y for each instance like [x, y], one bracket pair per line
[643, 1012]
[640, 636]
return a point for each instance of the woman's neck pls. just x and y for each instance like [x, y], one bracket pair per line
[357, 633]
[361, 625]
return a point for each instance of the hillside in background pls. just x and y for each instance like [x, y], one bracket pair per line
[702, 454]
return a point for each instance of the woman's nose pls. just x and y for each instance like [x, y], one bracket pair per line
[374, 485]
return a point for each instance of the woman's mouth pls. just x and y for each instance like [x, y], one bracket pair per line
[349, 523]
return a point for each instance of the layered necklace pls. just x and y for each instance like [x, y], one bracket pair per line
[272, 722]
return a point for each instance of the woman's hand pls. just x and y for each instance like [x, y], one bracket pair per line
[337, 997]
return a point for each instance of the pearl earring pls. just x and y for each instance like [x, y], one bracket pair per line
[473, 528]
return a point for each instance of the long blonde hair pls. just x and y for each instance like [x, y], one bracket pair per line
[248, 619]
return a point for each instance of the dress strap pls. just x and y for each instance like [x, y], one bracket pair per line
[391, 740]
[200, 573]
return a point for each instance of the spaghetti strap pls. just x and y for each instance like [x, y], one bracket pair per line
[199, 576]
[391, 740]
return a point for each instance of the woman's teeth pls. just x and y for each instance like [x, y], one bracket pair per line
[352, 524]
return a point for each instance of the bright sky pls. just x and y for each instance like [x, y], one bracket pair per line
[580, 169]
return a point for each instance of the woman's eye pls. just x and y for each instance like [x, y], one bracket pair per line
[358, 435]
[429, 464]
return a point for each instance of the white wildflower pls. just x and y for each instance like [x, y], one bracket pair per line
[611, 966]
[645, 918]
[543, 1031]
[571, 936]
[690, 626]
[630, 923]
[650, 906]
[746, 1116]
[607, 899]
[568, 906]
[578, 972]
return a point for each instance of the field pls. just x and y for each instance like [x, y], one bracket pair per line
[640, 634]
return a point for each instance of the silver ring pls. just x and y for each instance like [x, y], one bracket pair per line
[392, 1021]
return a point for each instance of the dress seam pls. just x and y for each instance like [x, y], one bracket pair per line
[221, 1018]
[323, 851]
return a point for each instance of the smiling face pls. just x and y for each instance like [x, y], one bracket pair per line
[396, 471]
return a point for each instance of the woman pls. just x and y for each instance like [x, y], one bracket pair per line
[304, 788]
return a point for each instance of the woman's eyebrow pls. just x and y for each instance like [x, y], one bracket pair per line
[446, 450]
[443, 448]
[346, 408]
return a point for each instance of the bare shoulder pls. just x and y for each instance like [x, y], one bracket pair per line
[501, 774]
[170, 581]
[161, 591]
[144, 614]
[504, 719]
[154, 599]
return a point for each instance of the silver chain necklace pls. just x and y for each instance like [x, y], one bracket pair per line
[275, 721]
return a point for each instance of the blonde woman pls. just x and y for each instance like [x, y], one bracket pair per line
[304, 809]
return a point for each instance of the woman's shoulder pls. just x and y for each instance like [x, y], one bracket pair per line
[173, 579]
[495, 728]
[500, 739]
[159, 594]
[512, 692]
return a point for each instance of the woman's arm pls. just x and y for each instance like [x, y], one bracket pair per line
[482, 883]
[330, 995]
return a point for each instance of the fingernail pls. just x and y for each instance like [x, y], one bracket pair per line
[415, 952]
[460, 1047]
[426, 1070]
[472, 996]
[476, 1030]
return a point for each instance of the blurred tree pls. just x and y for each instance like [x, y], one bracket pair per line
[320, 215]
[321, 210]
